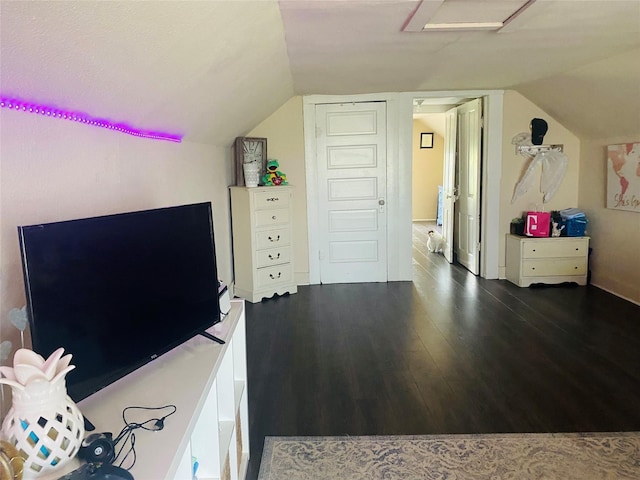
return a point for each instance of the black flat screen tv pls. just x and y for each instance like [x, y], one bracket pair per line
[118, 291]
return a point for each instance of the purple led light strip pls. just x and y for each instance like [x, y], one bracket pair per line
[29, 107]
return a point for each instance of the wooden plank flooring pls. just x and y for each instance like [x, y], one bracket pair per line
[446, 353]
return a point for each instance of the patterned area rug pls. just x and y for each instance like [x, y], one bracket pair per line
[528, 456]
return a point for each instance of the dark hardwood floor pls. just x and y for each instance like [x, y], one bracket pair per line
[446, 353]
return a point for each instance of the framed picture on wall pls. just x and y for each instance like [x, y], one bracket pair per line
[623, 176]
[248, 150]
[426, 140]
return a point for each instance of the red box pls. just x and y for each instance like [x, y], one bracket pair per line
[537, 224]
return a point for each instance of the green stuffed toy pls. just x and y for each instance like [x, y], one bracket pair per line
[273, 175]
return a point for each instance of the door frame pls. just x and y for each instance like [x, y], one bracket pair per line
[399, 161]
[397, 268]
[352, 252]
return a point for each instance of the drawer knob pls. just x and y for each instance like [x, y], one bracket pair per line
[273, 217]
[277, 239]
[273, 278]
[534, 249]
[274, 258]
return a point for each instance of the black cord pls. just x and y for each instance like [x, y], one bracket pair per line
[128, 437]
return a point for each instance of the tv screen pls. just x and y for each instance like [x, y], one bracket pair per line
[117, 291]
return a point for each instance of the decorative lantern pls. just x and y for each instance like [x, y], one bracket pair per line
[43, 423]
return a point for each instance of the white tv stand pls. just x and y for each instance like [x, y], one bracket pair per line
[207, 382]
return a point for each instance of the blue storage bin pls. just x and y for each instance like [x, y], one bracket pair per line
[576, 227]
[575, 222]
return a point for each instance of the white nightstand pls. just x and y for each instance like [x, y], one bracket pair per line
[548, 260]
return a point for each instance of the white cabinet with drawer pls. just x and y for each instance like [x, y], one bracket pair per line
[548, 260]
[262, 235]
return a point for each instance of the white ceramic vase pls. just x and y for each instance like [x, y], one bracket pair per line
[251, 174]
[43, 423]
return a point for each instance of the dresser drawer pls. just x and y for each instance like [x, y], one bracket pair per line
[269, 276]
[273, 256]
[557, 247]
[271, 199]
[266, 218]
[273, 238]
[554, 267]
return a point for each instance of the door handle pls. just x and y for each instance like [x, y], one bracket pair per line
[381, 203]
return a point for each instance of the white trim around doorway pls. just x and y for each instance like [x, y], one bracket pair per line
[399, 152]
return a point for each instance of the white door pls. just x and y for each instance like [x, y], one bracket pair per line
[449, 193]
[351, 184]
[468, 179]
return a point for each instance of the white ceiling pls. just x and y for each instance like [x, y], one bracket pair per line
[212, 69]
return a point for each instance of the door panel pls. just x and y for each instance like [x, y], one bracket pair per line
[353, 189]
[351, 182]
[363, 251]
[352, 156]
[353, 220]
[344, 123]
[468, 205]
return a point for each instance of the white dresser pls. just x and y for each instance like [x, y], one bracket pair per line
[547, 260]
[262, 241]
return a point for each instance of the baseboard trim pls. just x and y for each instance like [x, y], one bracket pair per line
[301, 278]
[616, 294]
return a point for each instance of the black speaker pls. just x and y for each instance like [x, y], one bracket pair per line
[98, 447]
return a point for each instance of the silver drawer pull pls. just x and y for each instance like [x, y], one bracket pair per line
[273, 217]
[274, 258]
[277, 239]
[273, 278]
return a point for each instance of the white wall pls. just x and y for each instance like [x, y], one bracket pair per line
[55, 170]
[518, 112]
[428, 167]
[614, 262]
[285, 143]
[615, 234]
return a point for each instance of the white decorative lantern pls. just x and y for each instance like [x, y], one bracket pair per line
[44, 424]
[251, 173]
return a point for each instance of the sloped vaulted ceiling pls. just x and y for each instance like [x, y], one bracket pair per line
[209, 70]
[579, 60]
[598, 100]
[350, 46]
[213, 69]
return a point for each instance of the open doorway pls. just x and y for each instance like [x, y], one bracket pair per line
[427, 167]
[446, 172]
[428, 148]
